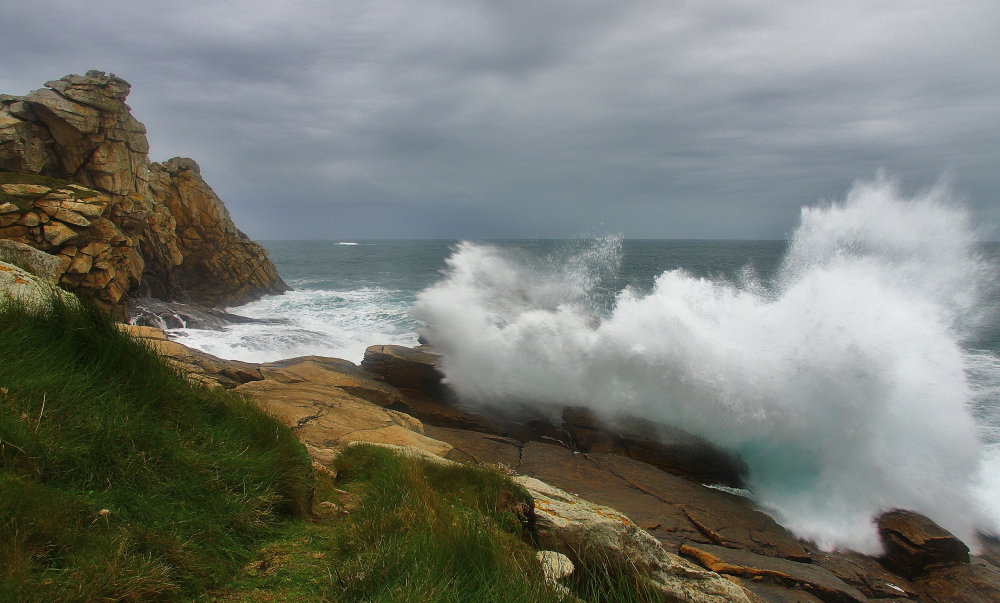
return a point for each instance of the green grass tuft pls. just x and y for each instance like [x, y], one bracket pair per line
[121, 481]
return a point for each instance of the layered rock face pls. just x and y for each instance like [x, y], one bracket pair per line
[167, 233]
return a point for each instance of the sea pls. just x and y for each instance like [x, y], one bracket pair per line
[855, 366]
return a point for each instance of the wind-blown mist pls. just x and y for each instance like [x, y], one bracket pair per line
[846, 383]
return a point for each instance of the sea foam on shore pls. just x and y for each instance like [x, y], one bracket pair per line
[849, 382]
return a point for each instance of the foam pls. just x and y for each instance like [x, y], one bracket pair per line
[333, 323]
[845, 383]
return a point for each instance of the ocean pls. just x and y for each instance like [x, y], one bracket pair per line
[855, 367]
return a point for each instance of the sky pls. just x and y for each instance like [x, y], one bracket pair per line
[482, 119]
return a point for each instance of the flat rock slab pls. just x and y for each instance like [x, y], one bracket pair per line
[811, 578]
[479, 447]
[326, 417]
[867, 575]
[716, 516]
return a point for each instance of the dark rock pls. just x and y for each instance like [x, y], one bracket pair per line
[867, 575]
[406, 368]
[915, 544]
[480, 447]
[445, 413]
[769, 592]
[672, 509]
[668, 448]
[811, 578]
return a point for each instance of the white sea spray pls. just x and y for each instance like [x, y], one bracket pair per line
[845, 382]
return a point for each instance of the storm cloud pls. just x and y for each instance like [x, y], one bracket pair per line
[476, 119]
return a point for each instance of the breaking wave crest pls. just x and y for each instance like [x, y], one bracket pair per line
[847, 382]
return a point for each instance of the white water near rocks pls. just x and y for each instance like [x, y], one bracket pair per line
[338, 323]
[848, 382]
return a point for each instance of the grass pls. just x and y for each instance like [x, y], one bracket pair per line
[119, 480]
[417, 532]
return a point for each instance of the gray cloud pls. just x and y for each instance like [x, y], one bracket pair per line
[436, 118]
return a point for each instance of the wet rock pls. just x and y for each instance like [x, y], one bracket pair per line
[976, 582]
[412, 369]
[811, 578]
[867, 575]
[668, 448]
[915, 544]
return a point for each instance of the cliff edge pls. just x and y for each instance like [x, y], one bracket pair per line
[76, 181]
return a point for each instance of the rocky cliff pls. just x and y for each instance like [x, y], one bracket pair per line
[77, 182]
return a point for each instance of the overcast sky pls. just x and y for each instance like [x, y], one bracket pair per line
[539, 118]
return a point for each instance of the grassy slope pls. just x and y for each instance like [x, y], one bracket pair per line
[417, 532]
[118, 479]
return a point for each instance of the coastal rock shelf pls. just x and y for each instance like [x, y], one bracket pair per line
[76, 181]
[332, 403]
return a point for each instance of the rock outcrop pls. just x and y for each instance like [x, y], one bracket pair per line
[580, 529]
[21, 286]
[160, 227]
[914, 544]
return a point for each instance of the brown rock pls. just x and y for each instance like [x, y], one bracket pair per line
[80, 264]
[218, 264]
[483, 448]
[867, 575]
[915, 544]
[976, 582]
[334, 372]
[814, 579]
[580, 529]
[674, 510]
[57, 234]
[80, 130]
[24, 190]
[195, 364]
[327, 417]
